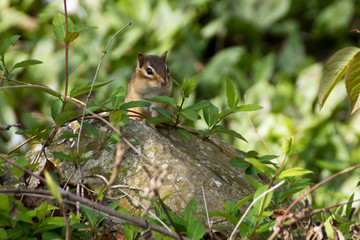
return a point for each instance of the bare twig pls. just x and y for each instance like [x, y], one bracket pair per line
[206, 209]
[120, 151]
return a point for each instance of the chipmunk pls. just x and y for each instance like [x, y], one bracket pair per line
[151, 78]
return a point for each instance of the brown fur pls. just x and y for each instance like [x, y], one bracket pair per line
[144, 85]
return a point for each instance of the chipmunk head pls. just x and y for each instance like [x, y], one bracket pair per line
[153, 69]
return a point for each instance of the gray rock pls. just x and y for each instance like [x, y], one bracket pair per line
[189, 165]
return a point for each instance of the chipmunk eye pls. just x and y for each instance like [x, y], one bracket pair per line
[149, 71]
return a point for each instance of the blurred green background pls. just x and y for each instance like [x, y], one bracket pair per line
[273, 51]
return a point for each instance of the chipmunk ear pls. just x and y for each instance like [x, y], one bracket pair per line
[163, 56]
[142, 59]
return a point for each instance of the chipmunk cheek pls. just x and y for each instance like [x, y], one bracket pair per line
[163, 83]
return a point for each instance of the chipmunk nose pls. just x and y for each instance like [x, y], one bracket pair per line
[163, 83]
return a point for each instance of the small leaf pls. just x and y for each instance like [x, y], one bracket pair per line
[134, 104]
[209, 113]
[53, 187]
[163, 99]
[22, 162]
[258, 165]
[239, 162]
[242, 202]
[349, 206]
[287, 146]
[55, 108]
[247, 108]
[150, 120]
[258, 204]
[352, 82]
[230, 132]
[85, 28]
[59, 27]
[85, 88]
[4, 203]
[64, 117]
[189, 215]
[185, 134]
[63, 156]
[26, 63]
[198, 106]
[189, 114]
[11, 41]
[163, 112]
[334, 70]
[117, 97]
[90, 215]
[196, 230]
[292, 172]
[189, 86]
[71, 36]
[230, 94]
[91, 130]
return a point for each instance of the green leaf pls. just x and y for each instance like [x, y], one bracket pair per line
[163, 112]
[163, 99]
[247, 108]
[4, 202]
[53, 187]
[196, 230]
[185, 134]
[189, 215]
[91, 130]
[55, 108]
[117, 97]
[59, 27]
[22, 162]
[259, 191]
[189, 86]
[242, 202]
[349, 206]
[134, 104]
[198, 106]
[189, 114]
[292, 172]
[258, 165]
[209, 113]
[3, 234]
[90, 215]
[71, 36]
[85, 88]
[11, 41]
[230, 94]
[63, 156]
[150, 120]
[287, 146]
[334, 70]
[49, 224]
[26, 63]
[85, 28]
[352, 82]
[228, 131]
[239, 162]
[64, 117]
[41, 210]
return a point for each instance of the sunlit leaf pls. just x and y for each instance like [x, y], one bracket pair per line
[209, 113]
[189, 86]
[53, 187]
[334, 70]
[259, 203]
[292, 172]
[352, 82]
[230, 94]
[196, 230]
[22, 162]
[239, 162]
[26, 63]
[71, 36]
[248, 107]
[118, 96]
[163, 99]
[59, 27]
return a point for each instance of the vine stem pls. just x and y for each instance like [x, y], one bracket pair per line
[66, 59]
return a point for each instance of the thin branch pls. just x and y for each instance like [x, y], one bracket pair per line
[93, 83]
[252, 203]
